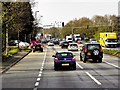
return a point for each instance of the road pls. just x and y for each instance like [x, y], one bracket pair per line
[36, 71]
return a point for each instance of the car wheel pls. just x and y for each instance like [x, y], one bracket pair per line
[41, 50]
[84, 60]
[95, 60]
[74, 67]
[81, 58]
[100, 60]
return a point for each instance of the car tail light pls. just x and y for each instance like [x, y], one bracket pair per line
[73, 59]
[85, 49]
[100, 49]
[56, 60]
[41, 46]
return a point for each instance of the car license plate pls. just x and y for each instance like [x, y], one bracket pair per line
[65, 64]
[88, 53]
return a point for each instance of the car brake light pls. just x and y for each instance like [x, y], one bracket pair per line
[85, 49]
[100, 49]
[73, 59]
[41, 46]
[56, 60]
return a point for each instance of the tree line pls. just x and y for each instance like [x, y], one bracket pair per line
[89, 28]
[17, 21]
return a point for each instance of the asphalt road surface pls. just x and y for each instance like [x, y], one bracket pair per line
[36, 71]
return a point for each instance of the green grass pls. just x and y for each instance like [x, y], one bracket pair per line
[112, 52]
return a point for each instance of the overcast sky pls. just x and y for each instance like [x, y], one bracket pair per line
[66, 10]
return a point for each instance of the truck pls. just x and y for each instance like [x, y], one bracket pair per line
[75, 37]
[108, 39]
[69, 38]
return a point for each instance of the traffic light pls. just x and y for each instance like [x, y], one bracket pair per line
[62, 24]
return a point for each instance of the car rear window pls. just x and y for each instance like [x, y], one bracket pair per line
[73, 44]
[60, 55]
[92, 47]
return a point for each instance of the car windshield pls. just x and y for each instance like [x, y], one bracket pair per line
[73, 44]
[92, 47]
[112, 40]
[62, 55]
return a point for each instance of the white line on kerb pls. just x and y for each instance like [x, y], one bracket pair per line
[112, 64]
[93, 78]
[79, 65]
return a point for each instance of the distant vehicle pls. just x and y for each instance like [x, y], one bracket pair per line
[76, 37]
[91, 51]
[69, 39]
[108, 39]
[50, 44]
[65, 44]
[38, 47]
[80, 44]
[13, 42]
[64, 58]
[73, 47]
[23, 45]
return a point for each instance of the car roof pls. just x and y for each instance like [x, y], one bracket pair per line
[72, 43]
[92, 43]
[63, 52]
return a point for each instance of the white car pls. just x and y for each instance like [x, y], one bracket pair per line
[73, 46]
[23, 45]
[50, 44]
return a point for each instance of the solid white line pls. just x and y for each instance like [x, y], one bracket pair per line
[38, 79]
[112, 64]
[36, 84]
[39, 75]
[79, 65]
[93, 78]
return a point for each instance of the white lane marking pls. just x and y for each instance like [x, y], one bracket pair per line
[35, 88]
[36, 84]
[112, 64]
[38, 79]
[93, 78]
[79, 66]
[39, 75]
[41, 69]
[40, 72]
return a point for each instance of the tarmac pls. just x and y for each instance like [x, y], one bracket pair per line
[12, 61]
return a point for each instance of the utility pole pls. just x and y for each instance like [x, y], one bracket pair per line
[6, 51]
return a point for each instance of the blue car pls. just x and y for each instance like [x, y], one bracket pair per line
[63, 59]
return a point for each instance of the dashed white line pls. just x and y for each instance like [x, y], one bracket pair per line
[79, 66]
[40, 72]
[41, 69]
[93, 78]
[112, 64]
[39, 75]
[36, 84]
[38, 79]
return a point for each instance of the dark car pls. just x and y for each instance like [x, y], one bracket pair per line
[38, 47]
[91, 51]
[64, 44]
[64, 58]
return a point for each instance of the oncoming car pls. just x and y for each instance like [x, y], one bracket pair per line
[91, 51]
[64, 58]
